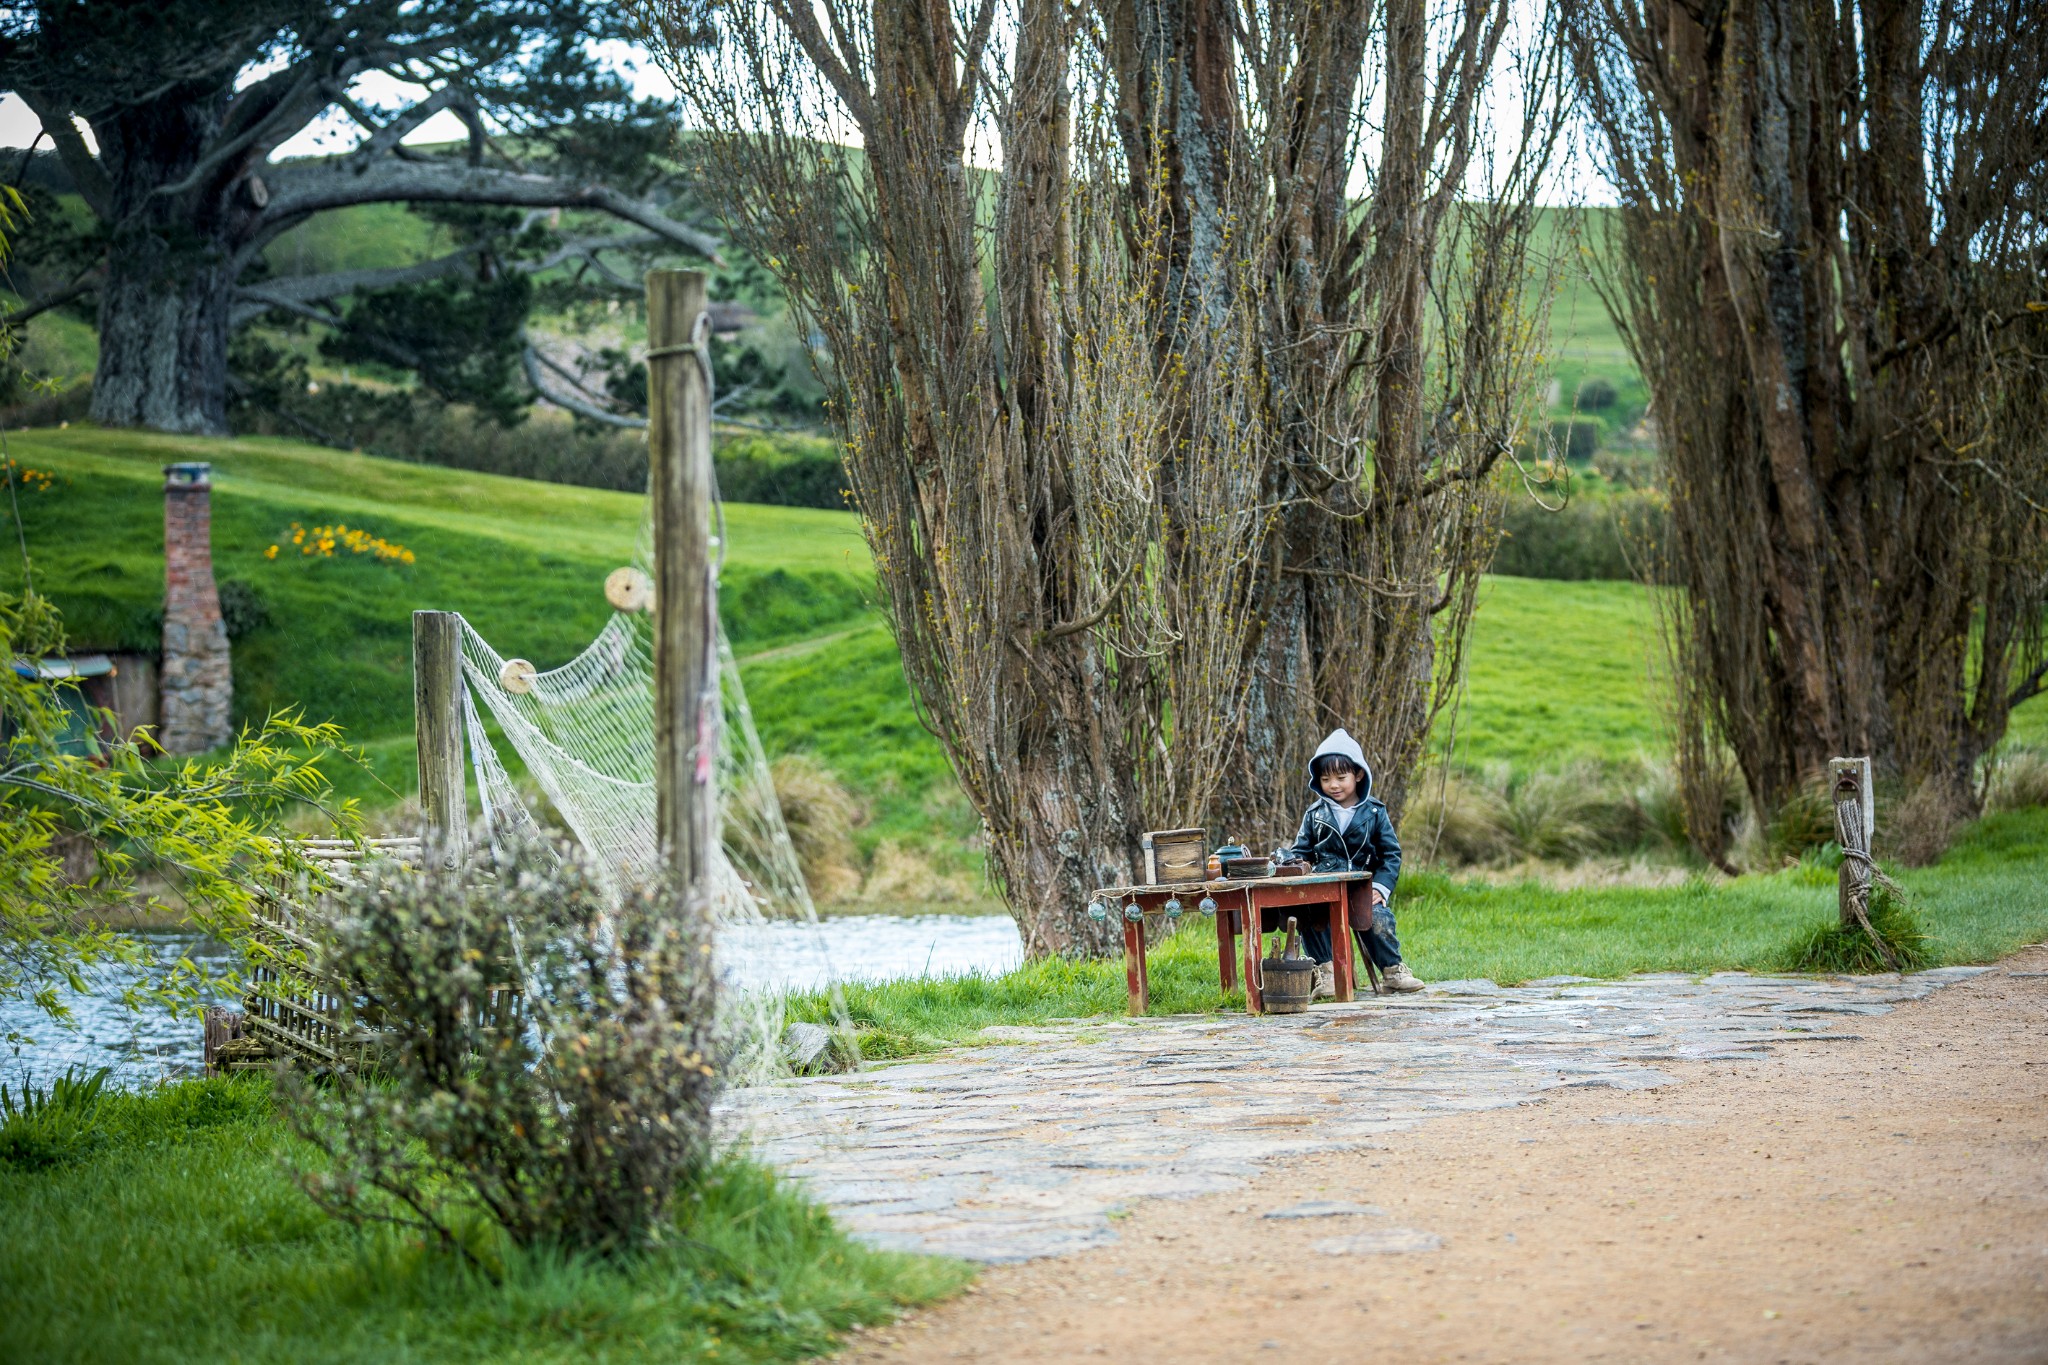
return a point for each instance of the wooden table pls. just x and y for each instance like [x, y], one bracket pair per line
[1346, 895]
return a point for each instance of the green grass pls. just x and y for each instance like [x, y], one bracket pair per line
[181, 1237]
[524, 562]
[1558, 671]
[1986, 899]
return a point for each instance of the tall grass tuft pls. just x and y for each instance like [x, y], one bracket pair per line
[2019, 781]
[40, 1129]
[1498, 817]
[1919, 829]
[821, 816]
[1804, 821]
[1848, 949]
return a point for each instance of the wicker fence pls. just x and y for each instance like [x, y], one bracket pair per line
[290, 1012]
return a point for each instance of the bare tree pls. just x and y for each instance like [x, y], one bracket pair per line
[1173, 449]
[1829, 263]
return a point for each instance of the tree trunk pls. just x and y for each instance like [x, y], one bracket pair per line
[163, 327]
[171, 268]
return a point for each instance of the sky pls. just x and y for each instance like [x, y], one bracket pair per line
[1575, 179]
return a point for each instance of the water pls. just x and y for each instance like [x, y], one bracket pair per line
[150, 1045]
[140, 1046]
[794, 957]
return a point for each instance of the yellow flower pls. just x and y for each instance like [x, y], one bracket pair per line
[270, 553]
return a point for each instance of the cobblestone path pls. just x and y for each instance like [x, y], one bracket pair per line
[1034, 1145]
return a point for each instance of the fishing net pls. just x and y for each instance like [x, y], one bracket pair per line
[585, 734]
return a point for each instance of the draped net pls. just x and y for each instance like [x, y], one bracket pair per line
[585, 734]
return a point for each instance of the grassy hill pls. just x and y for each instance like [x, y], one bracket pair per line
[1559, 671]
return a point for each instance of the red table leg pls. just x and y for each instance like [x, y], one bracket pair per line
[1226, 947]
[1254, 949]
[1342, 917]
[1134, 966]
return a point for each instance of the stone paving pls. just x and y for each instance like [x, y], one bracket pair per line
[1033, 1145]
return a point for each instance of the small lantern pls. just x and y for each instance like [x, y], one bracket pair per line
[1097, 911]
[1134, 912]
[1173, 908]
[1208, 905]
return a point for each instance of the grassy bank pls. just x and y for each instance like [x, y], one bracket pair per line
[1987, 898]
[174, 1232]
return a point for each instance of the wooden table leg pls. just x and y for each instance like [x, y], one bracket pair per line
[1134, 966]
[1341, 947]
[1254, 949]
[1226, 948]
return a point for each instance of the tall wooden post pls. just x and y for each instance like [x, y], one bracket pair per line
[686, 702]
[437, 730]
[1855, 827]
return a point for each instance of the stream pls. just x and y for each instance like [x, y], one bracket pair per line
[145, 1046]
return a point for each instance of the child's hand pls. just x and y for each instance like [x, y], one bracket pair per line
[1379, 895]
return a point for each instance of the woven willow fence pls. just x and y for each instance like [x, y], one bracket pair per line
[290, 1012]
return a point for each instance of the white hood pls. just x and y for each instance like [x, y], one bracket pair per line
[1340, 742]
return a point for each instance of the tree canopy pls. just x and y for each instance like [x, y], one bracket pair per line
[166, 117]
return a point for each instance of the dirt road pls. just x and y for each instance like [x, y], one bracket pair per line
[1881, 1197]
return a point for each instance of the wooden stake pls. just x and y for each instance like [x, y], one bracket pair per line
[1855, 826]
[437, 730]
[686, 703]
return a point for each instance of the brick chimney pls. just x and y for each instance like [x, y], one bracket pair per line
[198, 678]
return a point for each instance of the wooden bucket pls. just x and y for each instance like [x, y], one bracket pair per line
[1288, 981]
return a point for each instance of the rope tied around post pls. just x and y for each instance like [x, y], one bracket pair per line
[1853, 822]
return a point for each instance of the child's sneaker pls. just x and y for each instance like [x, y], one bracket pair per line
[1399, 978]
[1326, 981]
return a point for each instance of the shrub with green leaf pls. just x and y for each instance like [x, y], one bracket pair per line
[200, 827]
[545, 1058]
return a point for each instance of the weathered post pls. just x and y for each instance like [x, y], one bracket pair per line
[1855, 827]
[686, 703]
[437, 730]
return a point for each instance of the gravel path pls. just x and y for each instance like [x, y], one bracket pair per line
[1037, 1146]
[1651, 1171]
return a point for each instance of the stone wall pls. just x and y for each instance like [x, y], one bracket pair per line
[197, 682]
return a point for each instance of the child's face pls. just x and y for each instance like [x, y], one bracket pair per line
[1341, 785]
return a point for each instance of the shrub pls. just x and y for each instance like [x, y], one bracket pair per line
[1620, 536]
[545, 1058]
[1575, 439]
[1919, 829]
[1453, 819]
[794, 471]
[1595, 395]
[1561, 814]
[421, 429]
[1803, 821]
[242, 608]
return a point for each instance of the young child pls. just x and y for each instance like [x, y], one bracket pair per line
[1346, 830]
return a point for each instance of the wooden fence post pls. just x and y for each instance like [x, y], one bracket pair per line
[1855, 826]
[686, 701]
[437, 730]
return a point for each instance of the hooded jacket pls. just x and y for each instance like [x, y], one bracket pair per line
[1366, 844]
